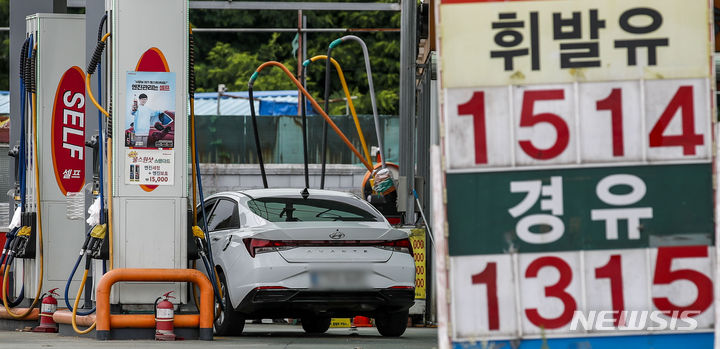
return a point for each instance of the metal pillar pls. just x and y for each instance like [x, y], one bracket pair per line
[425, 92]
[407, 106]
[423, 134]
[19, 9]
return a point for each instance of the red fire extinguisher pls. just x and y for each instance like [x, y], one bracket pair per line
[164, 316]
[47, 309]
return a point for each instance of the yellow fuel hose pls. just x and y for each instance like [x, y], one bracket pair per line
[351, 105]
[315, 105]
[109, 206]
[75, 308]
[39, 223]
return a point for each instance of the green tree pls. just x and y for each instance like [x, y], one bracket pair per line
[230, 58]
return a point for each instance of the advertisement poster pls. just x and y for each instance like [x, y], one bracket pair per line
[150, 128]
[149, 166]
[151, 110]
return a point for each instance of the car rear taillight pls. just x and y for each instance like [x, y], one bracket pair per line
[271, 288]
[256, 246]
[402, 245]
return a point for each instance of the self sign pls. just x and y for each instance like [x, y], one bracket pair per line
[68, 131]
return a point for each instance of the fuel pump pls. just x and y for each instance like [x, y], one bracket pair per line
[18, 152]
[146, 177]
[18, 247]
[50, 157]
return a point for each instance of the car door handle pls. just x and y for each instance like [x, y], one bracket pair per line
[215, 239]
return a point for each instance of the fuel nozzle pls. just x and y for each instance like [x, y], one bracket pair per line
[199, 238]
[94, 143]
[15, 153]
[20, 243]
[97, 236]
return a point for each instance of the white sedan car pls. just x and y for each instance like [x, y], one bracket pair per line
[282, 253]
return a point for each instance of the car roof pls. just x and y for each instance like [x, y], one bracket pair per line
[339, 196]
[291, 192]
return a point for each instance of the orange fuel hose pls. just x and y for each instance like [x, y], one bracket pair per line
[351, 105]
[316, 106]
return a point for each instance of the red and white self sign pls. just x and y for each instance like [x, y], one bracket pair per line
[68, 131]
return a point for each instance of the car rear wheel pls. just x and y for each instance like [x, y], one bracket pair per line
[315, 324]
[227, 322]
[392, 324]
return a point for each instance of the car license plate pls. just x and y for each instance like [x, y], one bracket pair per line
[338, 279]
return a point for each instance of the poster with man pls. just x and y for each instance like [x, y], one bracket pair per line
[149, 122]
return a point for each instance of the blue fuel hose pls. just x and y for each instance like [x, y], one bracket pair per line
[72, 273]
[9, 237]
[21, 161]
[25, 56]
[21, 296]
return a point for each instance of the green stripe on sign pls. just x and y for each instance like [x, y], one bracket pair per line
[560, 210]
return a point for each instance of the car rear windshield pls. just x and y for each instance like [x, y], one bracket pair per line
[276, 209]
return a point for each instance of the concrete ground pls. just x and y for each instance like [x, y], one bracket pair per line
[254, 336]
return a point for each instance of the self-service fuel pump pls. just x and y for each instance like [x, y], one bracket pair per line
[50, 160]
[147, 84]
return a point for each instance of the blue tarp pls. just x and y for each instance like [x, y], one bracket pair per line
[281, 102]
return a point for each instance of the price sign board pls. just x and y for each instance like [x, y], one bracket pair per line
[417, 240]
[578, 158]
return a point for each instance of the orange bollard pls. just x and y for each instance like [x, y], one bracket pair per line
[105, 321]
